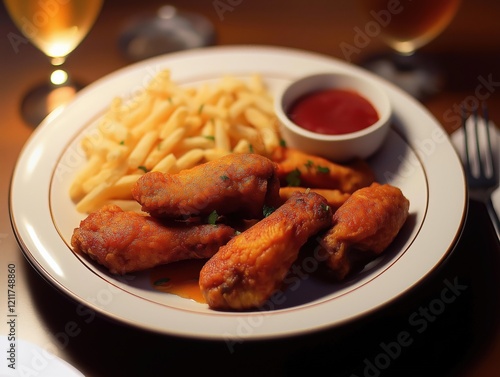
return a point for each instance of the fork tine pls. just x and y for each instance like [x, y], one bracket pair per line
[490, 153]
[480, 159]
[468, 168]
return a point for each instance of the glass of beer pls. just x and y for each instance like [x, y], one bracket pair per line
[56, 27]
[406, 26]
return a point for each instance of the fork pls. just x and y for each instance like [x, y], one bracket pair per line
[483, 182]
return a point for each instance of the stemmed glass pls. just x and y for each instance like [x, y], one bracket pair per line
[167, 30]
[56, 28]
[406, 26]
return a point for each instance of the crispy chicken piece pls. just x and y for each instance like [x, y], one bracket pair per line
[334, 198]
[363, 227]
[234, 184]
[296, 168]
[251, 267]
[128, 241]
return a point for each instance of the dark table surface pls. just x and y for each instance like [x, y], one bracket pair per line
[416, 335]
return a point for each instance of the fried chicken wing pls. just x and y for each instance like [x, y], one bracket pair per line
[126, 242]
[236, 183]
[334, 198]
[296, 168]
[363, 227]
[246, 271]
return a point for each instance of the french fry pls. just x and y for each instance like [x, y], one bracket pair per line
[175, 121]
[166, 165]
[256, 84]
[193, 125]
[164, 147]
[256, 118]
[138, 113]
[221, 135]
[160, 112]
[208, 111]
[232, 84]
[96, 144]
[92, 166]
[264, 103]
[208, 130]
[238, 107]
[214, 153]
[157, 86]
[94, 198]
[126, 205]
[253, 136]
[113, 130]
[203, 94]
[189, 159]
[109, 174]
[270, 138]
[243, 146]
[138, 155]
[120, 189]
[117, 152]
[224, 100]
[194, 142]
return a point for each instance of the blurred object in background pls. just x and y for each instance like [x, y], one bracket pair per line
[56, 29]
[405, 27]
[166, 31]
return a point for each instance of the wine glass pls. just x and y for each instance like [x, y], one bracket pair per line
[167, 30]
[405, 26]
[56, 28]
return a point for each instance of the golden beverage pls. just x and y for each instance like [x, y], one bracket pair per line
[410, 24]
[55, 26]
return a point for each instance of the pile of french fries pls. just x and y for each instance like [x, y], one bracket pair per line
[168, 128]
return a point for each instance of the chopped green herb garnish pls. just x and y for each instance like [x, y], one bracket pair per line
[282, 143]
[212, 218]
[267, 210]
[143, 168]
[122, 142]
[323, 169]
[325, 207]
[309, 164]
[200, 109]
[293, 178]
[210, 137]
[161, 281]
[250, 148]
[224, 177]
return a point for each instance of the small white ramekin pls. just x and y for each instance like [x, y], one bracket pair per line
[339, 148]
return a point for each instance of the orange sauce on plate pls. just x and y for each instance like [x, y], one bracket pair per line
[179, 278]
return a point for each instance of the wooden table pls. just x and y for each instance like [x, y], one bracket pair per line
[464, 340]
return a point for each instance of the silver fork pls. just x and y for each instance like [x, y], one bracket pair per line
[483, 182]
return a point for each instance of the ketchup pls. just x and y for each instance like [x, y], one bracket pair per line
[333, 112]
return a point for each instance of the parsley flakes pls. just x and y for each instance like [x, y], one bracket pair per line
[212, 218]
[293, 178]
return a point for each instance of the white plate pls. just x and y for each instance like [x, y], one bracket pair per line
[417, 157]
